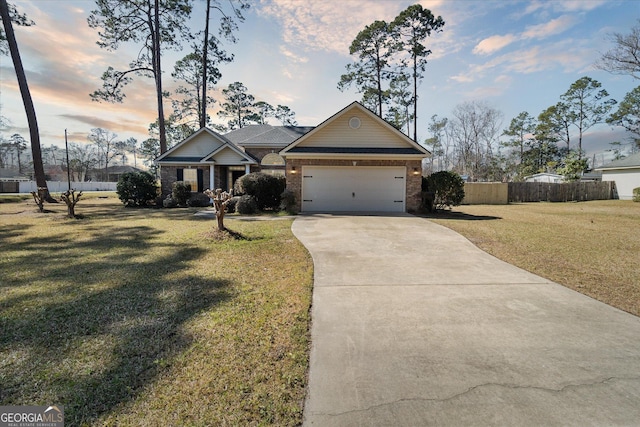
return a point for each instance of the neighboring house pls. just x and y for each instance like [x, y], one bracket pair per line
[353, 161]
[544, 177]
[626, 174]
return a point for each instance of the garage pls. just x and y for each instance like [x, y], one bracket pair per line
[354, 162]
[353, 189]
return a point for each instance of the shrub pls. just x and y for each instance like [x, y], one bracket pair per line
[136, 188]
[246, 205]
[199, 200]
[288, 202]
[636, 194]
[181, 192]
[266, 189]
[170, 202]
[447, 188]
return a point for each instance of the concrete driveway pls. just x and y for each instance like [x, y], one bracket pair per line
[412, 325]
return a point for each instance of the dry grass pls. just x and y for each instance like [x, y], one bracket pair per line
[591, 247]
[135, 317]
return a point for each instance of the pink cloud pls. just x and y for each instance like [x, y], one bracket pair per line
[493, 44]
[553, 27]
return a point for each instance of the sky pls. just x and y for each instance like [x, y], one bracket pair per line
[513, 55]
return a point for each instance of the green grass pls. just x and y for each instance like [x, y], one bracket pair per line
[591, 247]
[143, 317]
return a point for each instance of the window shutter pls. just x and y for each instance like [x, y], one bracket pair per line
[200, 180]
[180, 176]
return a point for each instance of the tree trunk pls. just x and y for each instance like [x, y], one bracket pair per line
[379, 81]
[415, 99]
[157, 71]
[30, 111]
[19, 159]
[220, 217]
[205, 51]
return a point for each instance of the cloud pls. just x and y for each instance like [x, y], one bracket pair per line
[570, 55]
[292, 56]
[281, 98]
[462, 78]
[503, 79]
[120, 125]
[533, 7]
[553, 27]
[576, 5]
[493, 44]
[484, 92]
[541, 31]
[563, 6]
[325, 25]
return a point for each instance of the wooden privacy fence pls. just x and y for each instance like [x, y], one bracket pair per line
[485, 193]
[497, 193]
[561, 192]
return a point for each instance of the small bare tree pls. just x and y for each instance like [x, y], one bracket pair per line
[40, 197]
[71, 198]
[220, 201]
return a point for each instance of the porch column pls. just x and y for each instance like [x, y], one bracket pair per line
[212, 185]
[247, 168]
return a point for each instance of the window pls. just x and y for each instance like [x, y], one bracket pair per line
[190, 176]
[272, 159]
[273, 164]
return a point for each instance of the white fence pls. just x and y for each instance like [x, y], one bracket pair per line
[62, 186]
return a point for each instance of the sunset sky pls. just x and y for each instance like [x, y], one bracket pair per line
[514, 55]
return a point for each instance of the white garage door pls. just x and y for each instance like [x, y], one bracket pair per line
[353, 189]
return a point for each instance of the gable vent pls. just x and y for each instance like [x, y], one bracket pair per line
[354, 123]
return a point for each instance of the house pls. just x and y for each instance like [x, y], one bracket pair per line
[626, 174]
[544, 177]
[353, 161]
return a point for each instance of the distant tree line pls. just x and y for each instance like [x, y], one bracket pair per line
[86, 160]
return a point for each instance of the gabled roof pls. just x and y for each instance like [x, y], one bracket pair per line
[245, 157]
[401, 146]
[549, 174]
[266, 135]
[171, 155]
[629, 162]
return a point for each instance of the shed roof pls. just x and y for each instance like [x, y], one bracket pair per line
[632, 161]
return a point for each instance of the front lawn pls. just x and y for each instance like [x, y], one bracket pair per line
[144, 317]
[591, 247]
